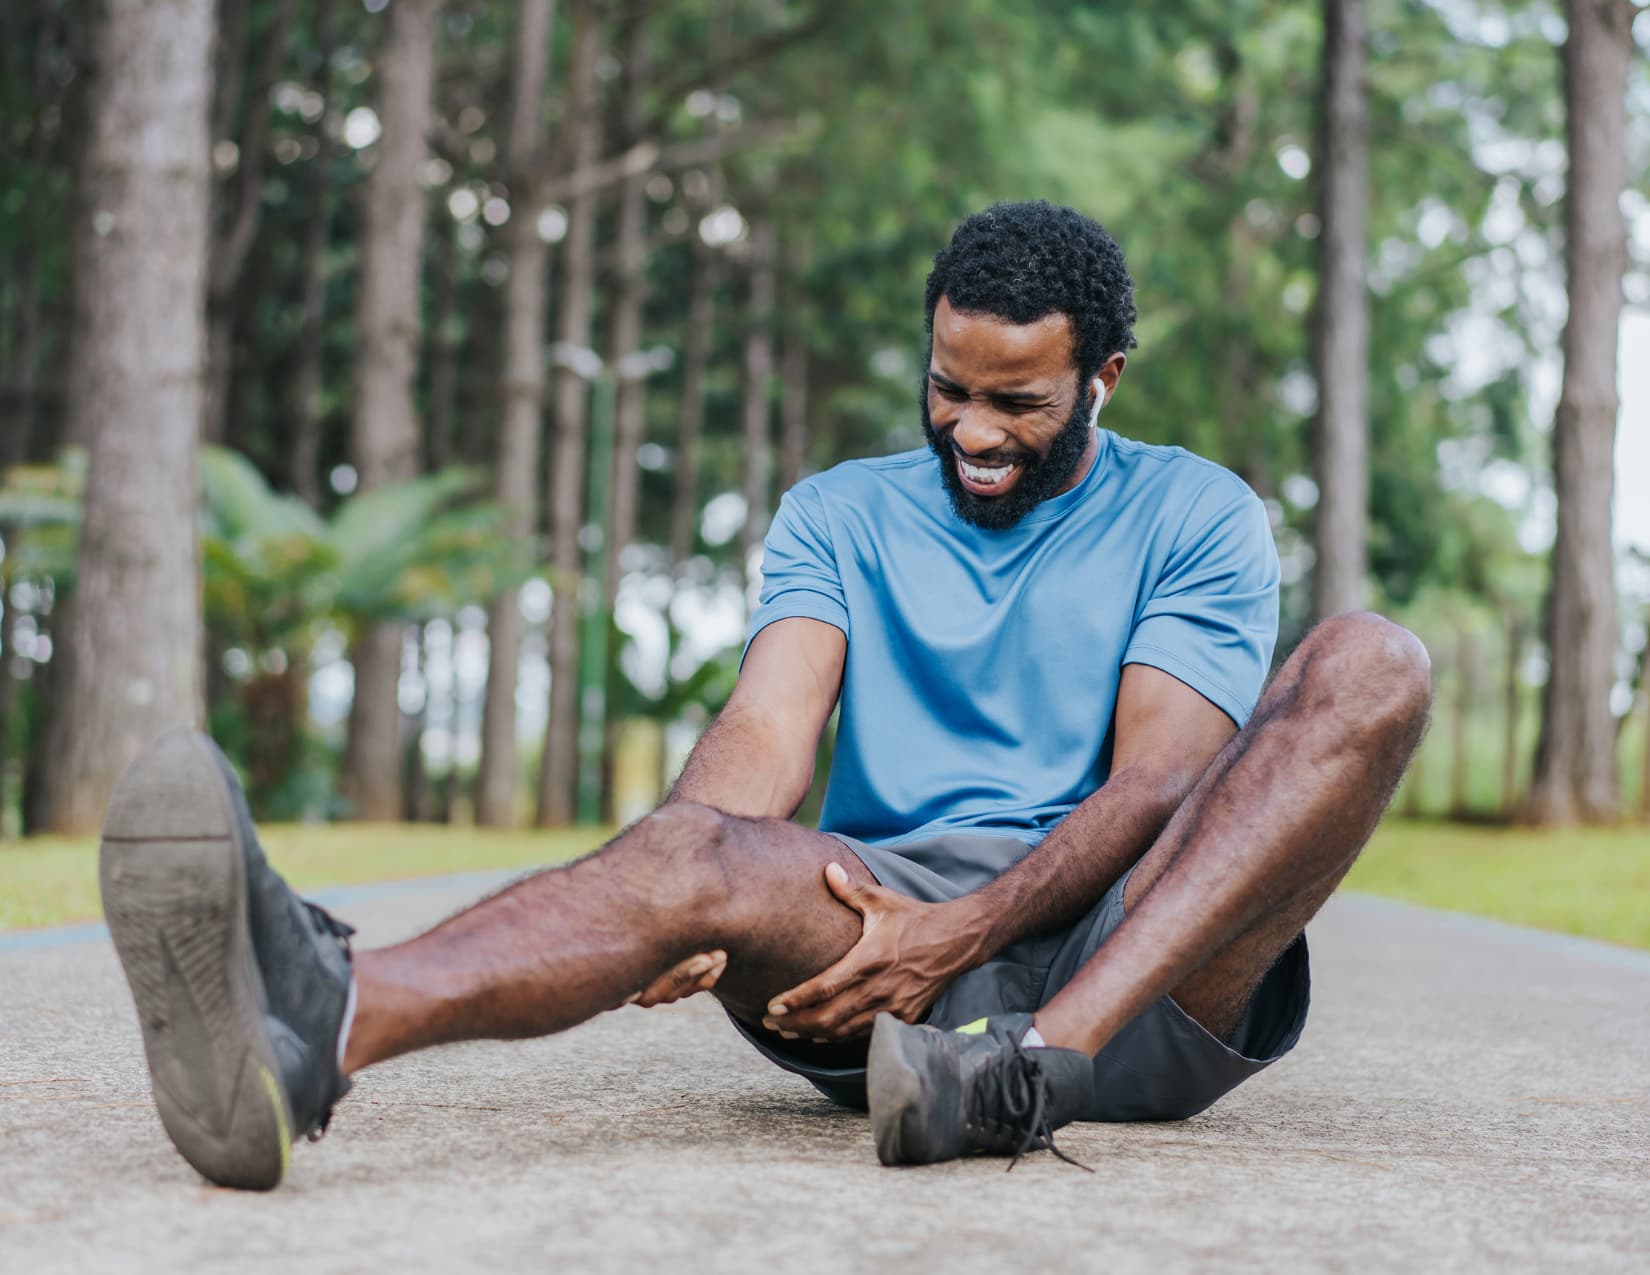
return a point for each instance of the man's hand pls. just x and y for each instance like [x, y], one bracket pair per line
[696, 974]
[906, 954]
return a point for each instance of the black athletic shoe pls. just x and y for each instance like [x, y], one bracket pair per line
[241, 986]
[936, 1095]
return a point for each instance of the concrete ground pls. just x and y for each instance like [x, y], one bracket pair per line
[1468, 1096]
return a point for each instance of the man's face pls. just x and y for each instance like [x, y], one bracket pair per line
[1003, 412]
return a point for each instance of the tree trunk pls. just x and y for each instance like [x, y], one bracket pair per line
[793, 377]
[8, 700]
[238, 218]
[1644, 767]
[1466, 690]
[629, 296]
[17, 394]
[309, 376]
[701, 322]
[1510, 698]
[758, 374]
[516, 474]
[386, 444]
[690, 417]
[442, 426]
[1341, 347]
[130, 649]
[415, 775]
[571, 407]
[1575, 769]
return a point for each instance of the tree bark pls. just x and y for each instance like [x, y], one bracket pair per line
[701, 322]
[441, 427]
[629, 296]
[130, 649]
[17, 393]
[793, 376]
[237, 224]
[1575, 771]
[558, 767]
[1510, 697]
[8, 699]
[1341, 348]
[515, 476]
[1466, 691]
[309, 376]
[758, 376]
[1644, 764]
[386, 442]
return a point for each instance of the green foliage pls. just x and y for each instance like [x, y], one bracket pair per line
[275, 570]
[40, 520]
[1181, 126]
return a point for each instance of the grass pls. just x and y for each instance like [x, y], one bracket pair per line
[51, 881]
[1594, 883]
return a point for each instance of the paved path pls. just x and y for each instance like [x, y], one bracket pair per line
[1467, 1097]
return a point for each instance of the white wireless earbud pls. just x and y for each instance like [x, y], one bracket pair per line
[1099, 401]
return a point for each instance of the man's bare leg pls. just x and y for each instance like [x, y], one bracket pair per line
[1262, 840]
[568, 943]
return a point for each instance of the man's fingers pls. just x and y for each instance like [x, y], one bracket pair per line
[859, 1025]
[829, 982]
[862, 898]
[696, 974]
[823, 1020]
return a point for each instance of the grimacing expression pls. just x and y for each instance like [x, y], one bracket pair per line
[1003, 412]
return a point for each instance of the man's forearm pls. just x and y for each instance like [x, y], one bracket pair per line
[745, 764]
[1074, 865]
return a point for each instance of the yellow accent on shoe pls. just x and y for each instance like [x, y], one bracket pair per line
[975, 1028]
[275, 1100]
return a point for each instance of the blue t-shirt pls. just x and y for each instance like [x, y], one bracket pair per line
[982, 666]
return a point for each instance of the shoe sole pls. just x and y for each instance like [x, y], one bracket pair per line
[895, 1093]
[172, 869]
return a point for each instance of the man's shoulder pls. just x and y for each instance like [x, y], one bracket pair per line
[1161, 462]
[1177, 478]
[870, 476]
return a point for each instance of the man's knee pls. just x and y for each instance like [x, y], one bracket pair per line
[1374, 673]
[689, 852]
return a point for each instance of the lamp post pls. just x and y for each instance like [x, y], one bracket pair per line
[603, 380]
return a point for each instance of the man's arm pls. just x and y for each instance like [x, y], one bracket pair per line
[757, 758]
[1167, 734]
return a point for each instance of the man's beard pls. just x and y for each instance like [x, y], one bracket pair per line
[1041, 477]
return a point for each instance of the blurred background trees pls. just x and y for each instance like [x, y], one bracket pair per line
[392, 254]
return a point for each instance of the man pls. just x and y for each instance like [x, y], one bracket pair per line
[1069, 845]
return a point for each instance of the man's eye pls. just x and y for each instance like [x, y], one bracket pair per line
[952, 392]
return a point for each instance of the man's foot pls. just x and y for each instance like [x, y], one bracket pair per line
[242, 988]
[936, 1095]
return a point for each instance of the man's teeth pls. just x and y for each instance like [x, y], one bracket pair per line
[985, 477]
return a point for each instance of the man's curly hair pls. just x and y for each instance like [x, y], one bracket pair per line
[1024, 261]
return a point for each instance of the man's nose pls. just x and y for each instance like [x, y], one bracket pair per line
[977, 431]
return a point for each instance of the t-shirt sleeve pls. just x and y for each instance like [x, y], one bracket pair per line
[1211, 619]
[799, 571]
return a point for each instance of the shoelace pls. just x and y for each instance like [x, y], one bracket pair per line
[1012, 1094]
[326, 923]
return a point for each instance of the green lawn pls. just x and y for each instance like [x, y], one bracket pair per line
[1593, 883]
[47, 881]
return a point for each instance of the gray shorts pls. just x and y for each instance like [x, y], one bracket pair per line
[1163, 1066]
